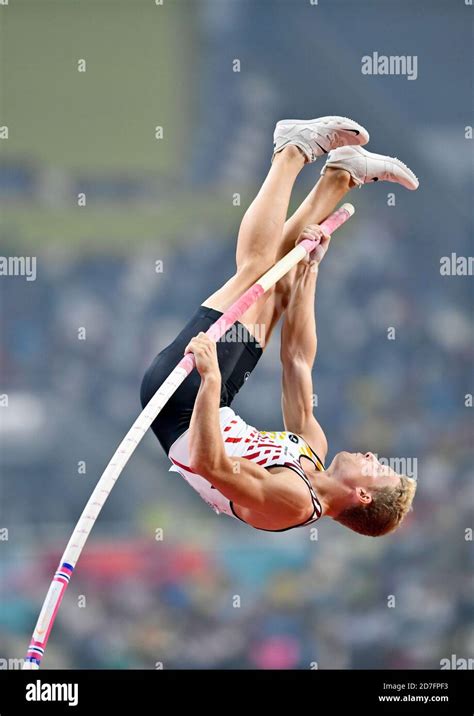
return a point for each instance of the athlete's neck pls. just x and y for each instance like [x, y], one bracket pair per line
[332, 494]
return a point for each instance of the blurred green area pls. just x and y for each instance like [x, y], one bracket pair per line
[119, 227]
[101, 122]
[103, 118]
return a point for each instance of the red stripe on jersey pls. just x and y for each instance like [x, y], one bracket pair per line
[184, 467]
[233, 440]
[262, 445]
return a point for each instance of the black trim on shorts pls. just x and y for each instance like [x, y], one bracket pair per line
[237, 356]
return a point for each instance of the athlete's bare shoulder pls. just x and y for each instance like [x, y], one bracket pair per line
[315, 437]
[292, 504]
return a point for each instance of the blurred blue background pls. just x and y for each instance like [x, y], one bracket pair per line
[303, 601]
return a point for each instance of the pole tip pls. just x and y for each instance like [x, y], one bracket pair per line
[30, 666]
[349, 208]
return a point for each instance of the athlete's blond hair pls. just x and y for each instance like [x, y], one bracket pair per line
[384, 513]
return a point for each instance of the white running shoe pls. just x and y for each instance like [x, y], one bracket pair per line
[316, 137]
[365, 167]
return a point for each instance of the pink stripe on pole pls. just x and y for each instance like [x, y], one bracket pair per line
[187, 363]
[307, 244]
[336, 220]
[227, 320]
[235, 312]
[330, 224]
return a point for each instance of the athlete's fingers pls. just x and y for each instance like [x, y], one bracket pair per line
[201, 345]
[205, 354]
[195, 345]
[323, 233]
[313, 232]
[319, 251]
[321, 238]
[308, 233]
[324, 243]
[311, 237]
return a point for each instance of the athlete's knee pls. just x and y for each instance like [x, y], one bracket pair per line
[338, 176]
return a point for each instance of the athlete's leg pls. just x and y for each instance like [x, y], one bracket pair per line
[346, 168]
[265, 237]
[317, 206]
[263, 223]
[259, 243]
[237, 359]
[261, 228]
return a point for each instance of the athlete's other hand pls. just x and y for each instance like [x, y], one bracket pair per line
[205, 355]
[315, 233]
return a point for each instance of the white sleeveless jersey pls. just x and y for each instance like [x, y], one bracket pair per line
[268, 449]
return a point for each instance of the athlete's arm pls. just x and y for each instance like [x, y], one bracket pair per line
[243, 482]
[298, 350]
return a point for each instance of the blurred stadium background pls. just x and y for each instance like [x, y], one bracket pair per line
[302, 601]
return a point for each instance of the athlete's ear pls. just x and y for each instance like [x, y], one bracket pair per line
[363, 496]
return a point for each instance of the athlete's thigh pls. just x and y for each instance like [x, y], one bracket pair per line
[261, 318]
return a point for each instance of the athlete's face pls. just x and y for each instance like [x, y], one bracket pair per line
[356, 469]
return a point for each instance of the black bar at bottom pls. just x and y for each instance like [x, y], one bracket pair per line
[150, 692]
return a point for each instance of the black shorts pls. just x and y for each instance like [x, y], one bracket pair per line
[238, 353]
